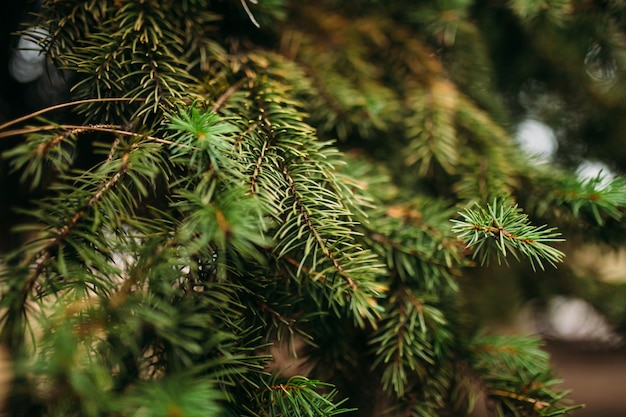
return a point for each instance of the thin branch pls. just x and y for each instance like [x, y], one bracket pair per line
[257, 168]
[73, 129]
[249, 13]
[229, 92]
[64, 105]
[537, 404]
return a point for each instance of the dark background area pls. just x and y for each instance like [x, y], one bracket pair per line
[13, 103]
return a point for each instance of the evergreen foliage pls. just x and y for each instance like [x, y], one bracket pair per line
[233, 175]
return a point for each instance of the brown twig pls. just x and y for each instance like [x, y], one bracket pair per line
[64, 105]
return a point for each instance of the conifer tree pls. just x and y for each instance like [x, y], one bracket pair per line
[226, 179]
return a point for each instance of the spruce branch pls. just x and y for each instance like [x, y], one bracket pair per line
[345, 92]
[535, 14]
[404, 345]
[179, 395]
[431, 132]
[124, 42]
[593, 198]
[502, 228]
[410, 238]
[491, 164]
[295, 175]
[442, 20]
[37, 262]
[56, 148]
[79, 206]
[299, 396]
